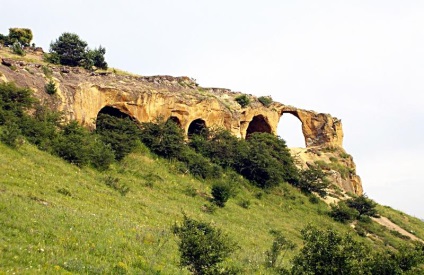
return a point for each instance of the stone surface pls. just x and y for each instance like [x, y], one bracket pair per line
[82, 94]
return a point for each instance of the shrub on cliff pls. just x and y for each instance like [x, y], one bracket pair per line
[265, 100]
[243, 100]
[313, 180]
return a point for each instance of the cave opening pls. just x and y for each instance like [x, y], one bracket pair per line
[175, 120]
[196, 127]
[258, 124]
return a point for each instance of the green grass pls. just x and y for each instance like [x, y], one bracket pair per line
[56, 217]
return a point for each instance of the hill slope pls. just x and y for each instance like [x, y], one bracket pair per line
[56, 217]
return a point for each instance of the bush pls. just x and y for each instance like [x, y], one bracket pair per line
[14, 102]
[243, 100]
[265, 100]
[328, 252]
[10, 134]
[279, 245]
[364, 205]
[163, 138]
[17, 49]
[263, 159]
[120, 133]
[202, 247]
[20, 35]
[50, 87]
[343, 213]
[313, 180]
[221, 192]
[198, 165]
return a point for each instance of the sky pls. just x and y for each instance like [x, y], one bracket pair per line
[361, 61]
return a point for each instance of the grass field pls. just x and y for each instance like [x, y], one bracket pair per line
[58, 218]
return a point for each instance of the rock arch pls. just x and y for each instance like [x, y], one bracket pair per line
[114, 111]
[176, 120]
[258, 124]
[295, 114]
[196, 127]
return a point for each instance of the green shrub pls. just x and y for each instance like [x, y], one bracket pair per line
[120, 133]
[50, 87]
[47, 71]
[329, 252]
[279, 245]
[243, 100]
[221, 192]
[343, 213]
[10, 134]
[163, 138]
[14, 102]
[20, 35]
[72, 144]
[313, 180]
[364, 205]
[17, 49]
[198, 165]
[265, 100]
[202, 247]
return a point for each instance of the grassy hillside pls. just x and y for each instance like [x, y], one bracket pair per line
[56, 217]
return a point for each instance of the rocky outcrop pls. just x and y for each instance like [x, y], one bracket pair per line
[81, 95]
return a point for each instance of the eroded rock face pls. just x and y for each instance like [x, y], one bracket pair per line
[81, 95]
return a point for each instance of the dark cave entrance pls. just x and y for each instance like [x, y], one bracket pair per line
[258, 125]
[196, 127]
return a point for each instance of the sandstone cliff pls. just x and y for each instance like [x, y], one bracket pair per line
[81, 95]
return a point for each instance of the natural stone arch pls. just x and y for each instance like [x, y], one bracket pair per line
[196, 127]
[296, 115]
[176, 120]
[258, 124]
[113, 111]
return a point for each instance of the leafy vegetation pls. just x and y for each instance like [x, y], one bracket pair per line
[313, 180]
[202, 247]
[265, 100]
[70, 50]
[51, 87]
[243, 100]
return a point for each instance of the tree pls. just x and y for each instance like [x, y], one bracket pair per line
[202, 246]
[69, 49]
[364, 205]
[313, 180]
[343, 213]
[97, 56]
[164, 138]
[120, 132]
[21, 35]
[328, 252]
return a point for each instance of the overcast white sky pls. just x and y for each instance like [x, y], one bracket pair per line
[360, 61]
